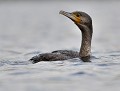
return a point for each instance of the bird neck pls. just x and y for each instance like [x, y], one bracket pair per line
[85, 49]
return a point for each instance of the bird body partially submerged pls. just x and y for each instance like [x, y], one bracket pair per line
[84, 23]
[55, 56]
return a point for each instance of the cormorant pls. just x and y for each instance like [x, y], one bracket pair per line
[84, 23]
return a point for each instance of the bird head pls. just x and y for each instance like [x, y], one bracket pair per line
[81, 19]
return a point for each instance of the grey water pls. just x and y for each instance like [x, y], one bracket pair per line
[28, 28]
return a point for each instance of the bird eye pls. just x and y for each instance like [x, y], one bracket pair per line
[77, 15]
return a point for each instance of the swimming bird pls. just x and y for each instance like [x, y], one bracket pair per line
[84, 23]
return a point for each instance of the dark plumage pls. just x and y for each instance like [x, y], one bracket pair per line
[55, 55]
[84, 23]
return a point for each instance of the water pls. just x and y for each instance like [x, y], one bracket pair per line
[30, 28]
